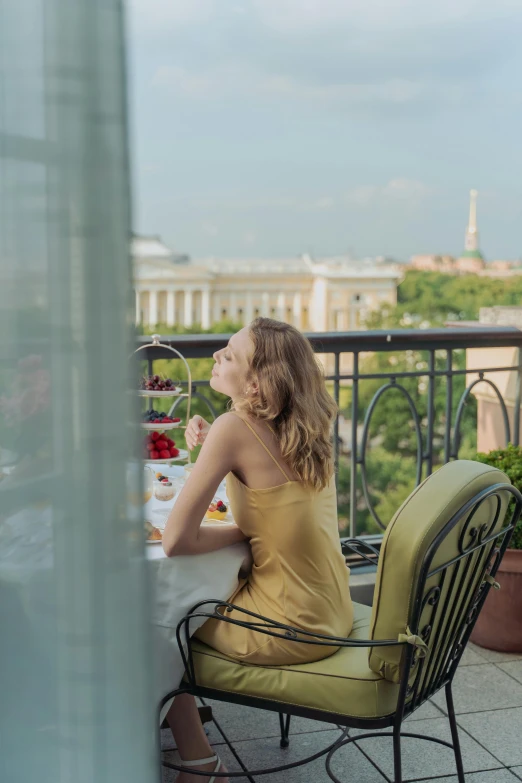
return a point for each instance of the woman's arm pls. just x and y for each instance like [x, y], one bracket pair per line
[184, 534]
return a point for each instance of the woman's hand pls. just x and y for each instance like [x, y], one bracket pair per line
[196, 432]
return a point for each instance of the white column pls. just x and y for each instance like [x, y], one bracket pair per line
[217, 307]
[171, 308]
[319, 305]
[187, 316]
[153, 308]
[249, 308]
[233, 306]
[265, 304]
[138, 308]
[281, 307]
[205, 308]
[297, 310]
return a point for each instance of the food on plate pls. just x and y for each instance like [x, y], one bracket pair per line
[153, 533]
[217, 510]
[155, 417]
[163, 489]
[158, 446]
[157, 383]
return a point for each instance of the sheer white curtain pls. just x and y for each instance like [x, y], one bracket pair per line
[75, 668]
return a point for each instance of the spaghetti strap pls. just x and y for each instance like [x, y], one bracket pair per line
[254, 433]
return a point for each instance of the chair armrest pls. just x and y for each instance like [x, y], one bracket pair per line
[356, 545]
[270, 627]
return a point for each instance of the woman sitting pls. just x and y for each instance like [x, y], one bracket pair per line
[275, 448]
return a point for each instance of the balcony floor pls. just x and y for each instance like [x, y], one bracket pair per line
[488, 702]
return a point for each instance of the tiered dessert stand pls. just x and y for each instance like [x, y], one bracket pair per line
[174, 391]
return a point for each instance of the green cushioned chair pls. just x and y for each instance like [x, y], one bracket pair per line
[437, 562]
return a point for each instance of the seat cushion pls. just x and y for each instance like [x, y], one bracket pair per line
[342, 684]
[410, 534]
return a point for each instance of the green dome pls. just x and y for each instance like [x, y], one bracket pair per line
[472, 254]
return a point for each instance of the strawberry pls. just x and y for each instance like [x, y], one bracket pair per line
[155, 436]
[173, 452]
[170, 442]
[164, 454]
[161, 444]
[150, 446]
[154, 454]
[176, 420]
[167, 420]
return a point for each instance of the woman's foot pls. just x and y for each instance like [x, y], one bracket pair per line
[185, 777]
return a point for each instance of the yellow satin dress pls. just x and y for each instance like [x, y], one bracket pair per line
[299, 576]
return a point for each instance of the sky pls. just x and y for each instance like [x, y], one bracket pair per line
[270, 128]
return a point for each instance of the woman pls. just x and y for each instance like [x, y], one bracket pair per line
[275, 448]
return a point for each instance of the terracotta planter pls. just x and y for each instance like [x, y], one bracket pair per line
[499, 626]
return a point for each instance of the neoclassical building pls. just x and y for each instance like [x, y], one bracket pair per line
[316, 295]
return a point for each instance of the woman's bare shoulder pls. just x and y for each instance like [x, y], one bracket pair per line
[229, 423]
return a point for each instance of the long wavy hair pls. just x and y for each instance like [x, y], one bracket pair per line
[292, 399]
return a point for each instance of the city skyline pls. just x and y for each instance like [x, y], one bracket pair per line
[357, 128]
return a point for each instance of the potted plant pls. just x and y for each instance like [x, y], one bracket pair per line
[499, 625]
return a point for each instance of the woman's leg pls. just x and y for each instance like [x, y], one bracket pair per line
[191, 740]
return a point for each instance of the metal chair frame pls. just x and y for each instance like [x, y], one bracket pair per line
[480, 552]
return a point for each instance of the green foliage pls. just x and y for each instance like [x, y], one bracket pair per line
[391, 478]
[509, 461]
[424, 299]
[436, 297]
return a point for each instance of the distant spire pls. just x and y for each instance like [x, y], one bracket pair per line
[472, 225]
[471, 241]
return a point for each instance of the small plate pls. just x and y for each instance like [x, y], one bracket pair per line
[174, 472]
[152, 426]
[183, 454]
[210, 521]
[172, 392]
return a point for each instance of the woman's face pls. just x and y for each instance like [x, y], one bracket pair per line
[229, 374]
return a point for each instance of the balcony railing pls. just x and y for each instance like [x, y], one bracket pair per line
[426, 372]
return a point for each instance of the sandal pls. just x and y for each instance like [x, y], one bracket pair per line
[198, 762]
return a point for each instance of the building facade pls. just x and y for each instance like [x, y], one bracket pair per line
[316, 295]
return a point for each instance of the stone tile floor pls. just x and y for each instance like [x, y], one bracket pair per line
[488, 702]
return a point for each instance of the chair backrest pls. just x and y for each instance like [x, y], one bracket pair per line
[434, 569]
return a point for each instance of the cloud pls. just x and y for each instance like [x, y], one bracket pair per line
[296, 15]
[399, 191]
[210, 229]
[181, 80]
[270, 203]
[249, 238]
[158, 15]
[367, 54]
[243, 82]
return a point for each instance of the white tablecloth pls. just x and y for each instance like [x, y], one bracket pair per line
[179, 583]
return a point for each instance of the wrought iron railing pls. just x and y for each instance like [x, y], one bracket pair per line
[346, 354]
